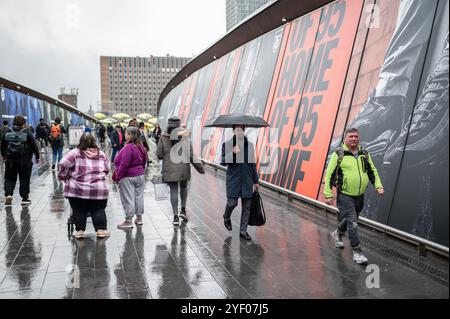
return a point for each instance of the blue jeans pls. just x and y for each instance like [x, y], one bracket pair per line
[114, 153]
[57, 152]
[349, 209]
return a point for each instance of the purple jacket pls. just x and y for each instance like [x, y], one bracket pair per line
[130, 161]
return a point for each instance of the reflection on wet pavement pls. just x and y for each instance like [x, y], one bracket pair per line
[290, 257]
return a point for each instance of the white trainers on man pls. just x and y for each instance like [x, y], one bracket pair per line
[359, 258]
[337, 239]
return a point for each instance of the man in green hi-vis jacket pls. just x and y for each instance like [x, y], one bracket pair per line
[350, 169]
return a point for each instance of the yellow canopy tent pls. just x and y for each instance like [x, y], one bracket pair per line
[109, 121]
[121, 116]
[144, 116]
[100, 116]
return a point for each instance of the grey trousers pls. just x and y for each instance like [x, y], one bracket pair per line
[131, 190]
[245, 215]
[349, 209]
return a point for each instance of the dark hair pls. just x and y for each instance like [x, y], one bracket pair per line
[141, 124]
[87, 141]
[351, 130]
[135, 135]
[5, 122]
[57, 120]
[19, 120]
[234, 126]
[41, 119]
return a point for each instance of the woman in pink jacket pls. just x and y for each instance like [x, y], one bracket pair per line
[84, 172]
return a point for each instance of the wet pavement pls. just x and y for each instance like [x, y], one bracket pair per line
[291, 257]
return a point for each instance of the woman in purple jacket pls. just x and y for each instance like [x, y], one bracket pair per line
[130, 167]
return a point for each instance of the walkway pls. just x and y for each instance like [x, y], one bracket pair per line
[291, 257]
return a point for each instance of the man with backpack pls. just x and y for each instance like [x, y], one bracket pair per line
[57, 141]
[18, 147]
[350, 169]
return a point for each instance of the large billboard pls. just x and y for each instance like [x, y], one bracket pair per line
[14, 103]
[380, 66]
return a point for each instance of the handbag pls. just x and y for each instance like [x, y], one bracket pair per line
[257, 212]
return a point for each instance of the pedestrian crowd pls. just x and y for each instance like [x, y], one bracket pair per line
[85, 169]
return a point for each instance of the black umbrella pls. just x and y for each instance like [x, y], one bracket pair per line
[228, 120]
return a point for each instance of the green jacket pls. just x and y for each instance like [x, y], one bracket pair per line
[353, 175]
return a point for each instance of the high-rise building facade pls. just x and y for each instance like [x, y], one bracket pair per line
[238, 10]
[70, 98]
[132, 85]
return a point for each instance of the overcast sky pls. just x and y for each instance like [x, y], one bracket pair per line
[49, 44]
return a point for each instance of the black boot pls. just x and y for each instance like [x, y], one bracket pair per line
[245, 235]
[227, 223]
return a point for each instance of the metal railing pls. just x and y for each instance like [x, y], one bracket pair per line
[422, 244]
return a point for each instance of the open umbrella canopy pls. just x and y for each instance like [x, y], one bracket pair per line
[149, 126]
[152, 120]
[121, 116]
[228, 120]
[100, 116]
[144, 116]
[109, 121]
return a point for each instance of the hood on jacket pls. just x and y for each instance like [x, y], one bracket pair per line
[92, 153]
[179, 133]
[18, 128]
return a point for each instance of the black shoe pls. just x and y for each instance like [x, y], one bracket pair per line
[26, 201]
[176, 220]
[245, 235]
[227, 223]
[183, 216]
[53, 167]
[8, 200]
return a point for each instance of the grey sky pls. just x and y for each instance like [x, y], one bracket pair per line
[49, 44]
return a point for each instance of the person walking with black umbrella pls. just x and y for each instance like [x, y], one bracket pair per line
[241, 179]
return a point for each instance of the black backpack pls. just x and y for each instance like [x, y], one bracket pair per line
[17, 143]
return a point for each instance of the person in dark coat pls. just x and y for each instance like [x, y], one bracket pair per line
[17, 149]
[42, 132]
[157, 133]
[101, 134]
[241, 179]
[117, 141]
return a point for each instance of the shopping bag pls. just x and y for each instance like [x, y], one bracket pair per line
[257, 213]
[161, 191]
[161, 188]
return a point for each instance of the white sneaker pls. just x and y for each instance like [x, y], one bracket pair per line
[8, 201]
[338, 243]
[79, 234]
[359, 258]
[102, 233]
